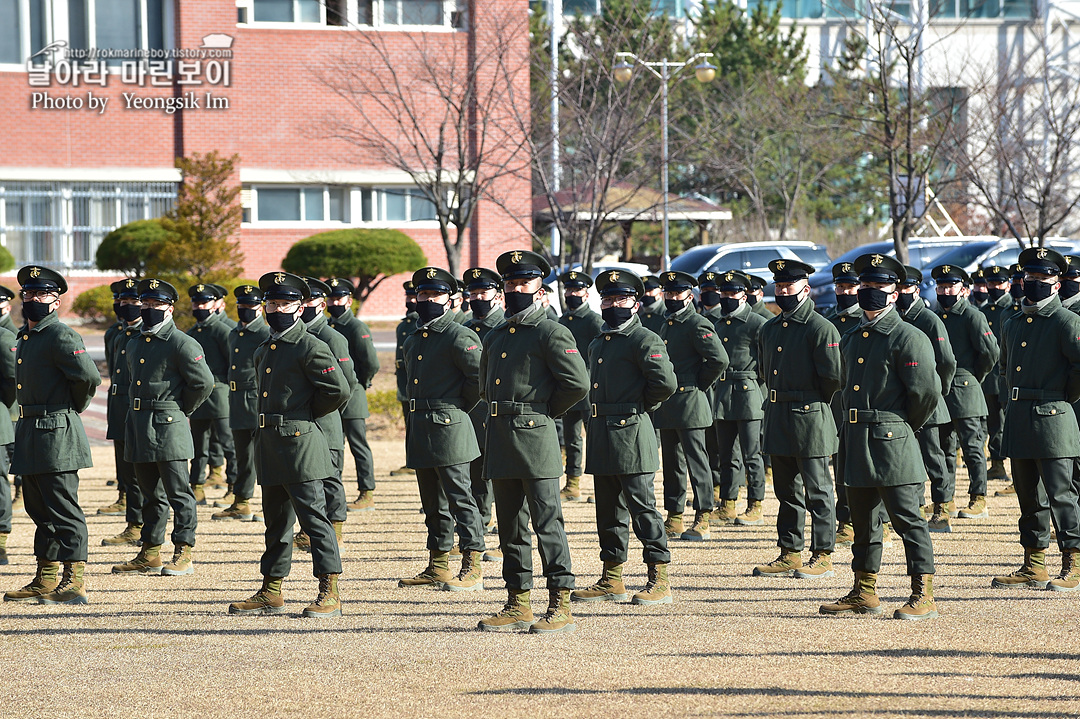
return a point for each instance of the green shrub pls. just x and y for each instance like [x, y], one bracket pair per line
[385, 402]
[129, 247]
[95, 304]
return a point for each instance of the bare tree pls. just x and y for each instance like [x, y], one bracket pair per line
[441, 108]
[1021, 161]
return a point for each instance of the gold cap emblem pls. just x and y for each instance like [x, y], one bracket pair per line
[430, 273]
[671, 276]
[515, 257]
[729, 276]
[1041, 254]
[35, 272]
[248, 289]
[947, 269]
[876, 260]
[846, 267]
[780, 264]
[279, 277]
[573, 275]
[476, 273]
[710, 276]
[129, 283]
[614, 276]
[154, 284]
[200, 288]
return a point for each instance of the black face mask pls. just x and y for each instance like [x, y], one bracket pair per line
[337, 310]
[410, 306]
[466, 305]
[751, 299]
[947, 301]
[201, 315]
[35, 311]
[280, 321]
[616, 316]
[995, 293]
[247, 314]
[480, 308]
[1016, 291]
[128, 313]
[1069, 288]
[979, 296]
[152, 317]
[871, 299]
[308, 314]
[116, 308]
[729, 304]
[710, 298]
[787, 303]
[674, 305]
[846, 301]
[905, 301]
[573, 301]
[1036, 291]
[429, 310]
[519, 301]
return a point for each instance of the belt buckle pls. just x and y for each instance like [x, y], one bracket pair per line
[232, 385]
[1015, 394]
[853, 415]
[20, 412]
[593, 406]
[113, 388]
[136, 404]
[262, 420]
[494, 409]
[723, 376]
[412, 405]
[772, 396]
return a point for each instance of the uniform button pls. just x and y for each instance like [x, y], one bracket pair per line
[1053, 411]
[296, 433]
[865, 334]
[236, 350]
[504, 355]
[513, 330]
[416, 381]
[728, 322]
[805, 406]
[725, 339]
[861, 360]
[622, 421]
[267, 370]
[124, 352]
[241, 334]
[570, 319]
[665, 341]
[498, 381]
[138, 382]
[234, 366]
[264, 394]
[448, 420]
[425, 334]
[147, 339]
[19, 386]
[779, 349]
[680, 389]
[944, 315]
[888, 434]
[600, 361]
[117, 369]
[744, 386]
[1017, 368]
[843, 320]
[670, 322]
[965, 383]
[199, 329]
[170, 419]
[273, 347]
[1030, 320]
[142, 361]
[595, 386]
[1022, 344]
[785, 324]
[531, 423]
[419, 357]
[991, 323]
[20, 360]
[774, 371]
[856, 388]
[607, 337]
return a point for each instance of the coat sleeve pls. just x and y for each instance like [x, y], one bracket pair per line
[364, 355]
[917, 370]
[715, 357]
[567, 368]
[7, 367]
[944, 357]
[826, 358]
[986, 346]
[467, 358]
[340, 347]
[660, 381]
[80, 371]
[198, 379]
[331, 389]
[1070, 347]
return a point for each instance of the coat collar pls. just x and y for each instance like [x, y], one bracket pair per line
[439, 324]
[800, 314]
[885, 324]
[317, 323]
[624, 329]
[740, 314]
[582, 310]
[49, 320]
[292, 335]
[684, 314]
[533, 315]
[256, 324]
[1051, 306]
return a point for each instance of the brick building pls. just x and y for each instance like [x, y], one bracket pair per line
[73, 168]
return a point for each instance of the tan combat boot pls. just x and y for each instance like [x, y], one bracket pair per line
[225, 502]
[819, 567]
[516, 613]
[862, 599]
[557, 619]
[339, 533]
[1007, 491]
[328, 602]
[181, 563]
[716, 495]
[301, 541]
[116, 509]
[783, 566]
[1032, 573]
[997, 470]
[845, 534]
[200, 494]
[470, 577]
[435, 574]
[44, 581]
[609, 588]
[240, 510]
[3, 545]
[129, 537]
[752, 517]
[950, 508]
[572, 491]
[976, 508]
[725, 512]
[455, 551]
[1069, 579]
[215, 478]
[657, 589]
[268, 600]
[17, 500]
[673, 525]
[939, 521]
[365, 502]
[920, 605]
[493, 555]
[72, 587]
[402, 470]
[700, 531]
[147, 561]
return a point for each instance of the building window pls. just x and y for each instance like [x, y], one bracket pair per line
[396, 204]
[25, 31]
[61, 224]
[300, 204]
[329, 204]
[118, 24]
[379, 13]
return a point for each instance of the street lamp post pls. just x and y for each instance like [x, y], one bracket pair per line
[704, 71]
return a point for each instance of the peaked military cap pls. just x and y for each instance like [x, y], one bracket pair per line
[222, 290]
[459, 286]
[316, 287]
[879, 268]
[673, 281]
[757, 283]
[481, 278]
[619, 282]
[284, 286]
[733, 281]
[949, 274]
[650, 282]
[126, 288]
[914, 275]
[204, 293]
[1074, 267]
[36, 277]
[521, 264]
[575, 279]
[340, 287]
[1016, 272]
[1043, 261]
[993, 273]
[790, 270]
[248, 295]
[845, 272]
[155, 289]
[409, 287]
[434, 279]
[977, 277]
[6, 294]
[708, 279]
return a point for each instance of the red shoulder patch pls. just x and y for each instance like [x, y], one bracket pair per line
[342, 359]
[470, 348]
[328, 370]
[197, 358]
[912, 364]
[364, 337]
[571, 352]
[833, 344]
[79, 352]
[705, 337]
[655, 356]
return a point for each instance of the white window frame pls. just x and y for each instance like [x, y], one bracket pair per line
[352, 15]
[51, 22]
[353, 207]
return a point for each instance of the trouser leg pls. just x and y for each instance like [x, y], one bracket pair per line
[674, 475]
[948, 446]
[820, 502]
[226, 449]
[440, 525]
[201, 429]
[125, 478]
[725, 438]
[456, 487]
[788, 487]
[1061, 494]
[716, 460]
[356, 434]
[933, 456]
[244, 445]
[865, 503]
[481, 488]
[5, 494]
[750, 450]
[336, 505]
[45, 545]
[512, 511]
[843, 511]
[697, 465]
[181, 499]
[902, 504]
[545, 507]
[155, 503]
[639, 497]
[309, 506]
[612, 518]
[994, 422]
[61, 535]
[573, 424]
[279, 516]
[969, 431]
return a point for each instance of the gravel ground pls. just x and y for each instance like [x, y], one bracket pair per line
[731, 644]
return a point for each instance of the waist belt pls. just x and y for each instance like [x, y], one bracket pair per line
[40, 410]
[447, 403]
[781, 396]
[235, 386]
[276, 420]
[116, 390]
[138, 404]
[872, 416]
[604, 409]
[497, 408]
[1019, 393]
[687, 380]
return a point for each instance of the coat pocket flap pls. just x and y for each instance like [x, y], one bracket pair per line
[167, 416]
[295, 428]
[445, 418]
[1049, 409]
[624, 420]
[51, 421]
[888, 431]
[529, 421]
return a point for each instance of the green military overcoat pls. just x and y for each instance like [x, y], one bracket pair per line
[213, 335]
[481, 326]
[737, 394]
[331, 423]
[944, 361]
[120, 379]
[584, 324]
[996, 313]
[652, 315]
[698, 359]
[365, 361]
[243, 384]
[406, 326]
[8, 348]
[976, 351]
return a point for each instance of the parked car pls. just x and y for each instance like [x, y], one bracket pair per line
[984, 253]
[594, 298]
[921, 250]
[753, 258]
